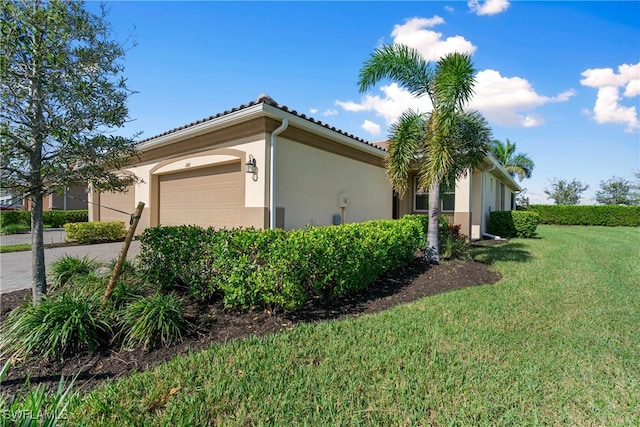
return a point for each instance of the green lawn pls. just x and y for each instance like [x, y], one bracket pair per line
[555, 342]
[19, 247]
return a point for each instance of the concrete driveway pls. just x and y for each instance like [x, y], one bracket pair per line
[15, 267]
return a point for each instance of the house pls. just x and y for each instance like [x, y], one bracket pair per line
[72, 198]
[228, 170]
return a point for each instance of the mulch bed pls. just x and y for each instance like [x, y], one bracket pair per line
[401, 286]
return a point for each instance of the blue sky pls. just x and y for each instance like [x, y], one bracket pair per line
[560, 79]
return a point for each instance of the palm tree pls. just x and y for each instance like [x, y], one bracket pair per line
[443, 144]
[516, 164]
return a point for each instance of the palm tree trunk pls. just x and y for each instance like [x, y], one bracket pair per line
[432, 252]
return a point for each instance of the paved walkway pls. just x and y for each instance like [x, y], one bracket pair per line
[15, 267]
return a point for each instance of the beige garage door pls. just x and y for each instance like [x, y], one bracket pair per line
[211, 196]
[122, 201]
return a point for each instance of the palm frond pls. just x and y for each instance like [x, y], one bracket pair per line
[399, 63]
[453, 87]
[407, 140]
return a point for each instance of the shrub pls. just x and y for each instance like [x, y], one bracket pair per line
[67, 267]
[16, 217]
[15, 229]
[513, 223]
[158, 319]
[94, 232]
[611, 215]
[53, 218]
[453, 244]
[57, 327]
[249, 267]
[57, 219]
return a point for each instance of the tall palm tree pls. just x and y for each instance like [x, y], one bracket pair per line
[515, 163]
[442, 144]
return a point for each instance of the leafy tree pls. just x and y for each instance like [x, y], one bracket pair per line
[522, 201]
[515, 163]
[442, 144]
[616, 191]
[565, 192]
[62, 96]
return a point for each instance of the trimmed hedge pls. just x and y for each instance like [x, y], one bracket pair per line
[513, 223]
[94, 232]
[55, 219]
[609, 215]
[15, 218]
[249, 267]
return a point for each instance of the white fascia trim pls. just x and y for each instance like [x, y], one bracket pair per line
[496, 166]
[305, 124]
[202, 128]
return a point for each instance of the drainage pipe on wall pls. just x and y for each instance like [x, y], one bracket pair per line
[272, 172]
[483, 229]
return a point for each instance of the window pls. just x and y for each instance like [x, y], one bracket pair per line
[421, 198]
[448, 199]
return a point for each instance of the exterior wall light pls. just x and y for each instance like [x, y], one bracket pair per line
[251, 167]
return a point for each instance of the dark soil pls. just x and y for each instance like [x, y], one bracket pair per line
[219, 325]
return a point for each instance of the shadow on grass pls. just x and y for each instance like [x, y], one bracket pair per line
[489, 254]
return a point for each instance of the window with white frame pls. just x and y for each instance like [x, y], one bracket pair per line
[421, 198]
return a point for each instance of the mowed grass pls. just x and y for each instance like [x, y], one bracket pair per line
[19, 247]
[555, 342]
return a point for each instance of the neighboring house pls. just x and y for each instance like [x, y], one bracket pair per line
[73, 198]
[229, 170]
[219, 172]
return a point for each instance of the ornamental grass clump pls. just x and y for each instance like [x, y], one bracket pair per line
[157, 320]
[35, 406]
[59, 326]
[68, 268]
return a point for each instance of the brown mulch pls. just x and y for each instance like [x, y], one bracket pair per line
[218, 325]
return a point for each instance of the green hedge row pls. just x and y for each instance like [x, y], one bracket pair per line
[55, 219]
[611, 215]
[248, 267]
[94, 232]
[513, 223]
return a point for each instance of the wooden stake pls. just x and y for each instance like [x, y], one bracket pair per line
[123, 253]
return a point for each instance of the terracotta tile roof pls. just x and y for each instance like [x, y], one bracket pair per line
[265, 99]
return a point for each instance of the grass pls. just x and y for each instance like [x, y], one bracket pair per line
[555, 342]
[20, 247]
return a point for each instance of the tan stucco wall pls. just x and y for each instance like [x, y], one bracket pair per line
[254, 191]
[309, 182]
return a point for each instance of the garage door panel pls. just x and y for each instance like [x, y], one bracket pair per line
[211, 196]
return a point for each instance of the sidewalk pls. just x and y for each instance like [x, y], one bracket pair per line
[15, 267]
[50, 236]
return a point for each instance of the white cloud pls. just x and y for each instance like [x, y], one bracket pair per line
[489, 7]
[395, 101]
[330, 112]
[431, 45]
[607, 108]
[371, 127]
[508, 100]
[313, 110]
[449, 9]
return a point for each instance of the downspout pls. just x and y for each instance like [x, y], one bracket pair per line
[272, 172]
[483, 230]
